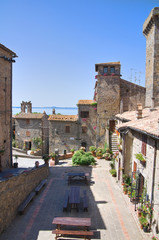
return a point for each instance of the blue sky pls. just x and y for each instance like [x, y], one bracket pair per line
[58, 43]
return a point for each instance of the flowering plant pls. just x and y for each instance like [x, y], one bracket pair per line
[95, 108]
[96, 77]
[84, 119]
[94, 127]
[154, 238]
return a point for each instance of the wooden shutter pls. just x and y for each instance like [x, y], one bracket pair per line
[144, 143]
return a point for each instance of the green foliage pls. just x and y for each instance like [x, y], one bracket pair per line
[99, 154]
[72, 150]
[46, 157]
[52, 155]
[92, 148]
[140, 157]
[143, 221]
[83, 158]
[94, 103]
[127, 179]
[13, 143]
[113, 172]
[106, 148]
[37, 141]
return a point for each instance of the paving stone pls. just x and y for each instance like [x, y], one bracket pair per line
[109, 211]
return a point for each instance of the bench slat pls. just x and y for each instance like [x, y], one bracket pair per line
[85, 201]
[65, 204]
[41, 184]
[73, 232]
[25, 203]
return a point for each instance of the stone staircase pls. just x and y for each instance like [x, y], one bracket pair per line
[114, 142]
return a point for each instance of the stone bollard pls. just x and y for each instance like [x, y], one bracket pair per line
[56, 156]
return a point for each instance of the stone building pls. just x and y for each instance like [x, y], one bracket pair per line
[31, 126]
[113, 95]
[139, 130]
[6, 60]
[140, 135]
[73, 131]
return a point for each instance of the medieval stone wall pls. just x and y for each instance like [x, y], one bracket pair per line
[131, 94]
[90, 123]
[5, 108]
[58, 138]
[108, 94]
[26, 130]
[14, 190]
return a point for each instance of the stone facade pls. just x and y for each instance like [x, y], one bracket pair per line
[6, 59]
[29, 126]
[113, 95]
[151, 32]
[62, 134]
[70, 131]
[15, 190]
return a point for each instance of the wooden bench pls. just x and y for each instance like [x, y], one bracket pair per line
[39, 187]
[26, 202]
[85, 201]
[85, 234]
[65, 203]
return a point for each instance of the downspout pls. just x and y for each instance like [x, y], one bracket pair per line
[153, 177]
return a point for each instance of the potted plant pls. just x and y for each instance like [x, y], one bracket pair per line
[107, 156]
[72, 150]
[52, 155]
[140, 157]
[113, 172]
[93, 150]
[46, 158]
[139, 210]
[99, 155]
[15, 163]
[143, 222]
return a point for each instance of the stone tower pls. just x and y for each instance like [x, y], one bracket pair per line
[107, 96]
[151, 32]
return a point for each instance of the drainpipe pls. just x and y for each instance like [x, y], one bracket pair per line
[153, 177]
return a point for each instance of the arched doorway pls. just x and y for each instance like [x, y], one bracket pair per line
[84, 144]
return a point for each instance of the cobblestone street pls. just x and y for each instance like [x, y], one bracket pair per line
[109, 210]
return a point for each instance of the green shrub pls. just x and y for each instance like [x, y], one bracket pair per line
[83, 158]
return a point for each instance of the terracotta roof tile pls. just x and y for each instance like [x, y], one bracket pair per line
[85, 102]
[29, 116]
[148, 124]
[69, 118]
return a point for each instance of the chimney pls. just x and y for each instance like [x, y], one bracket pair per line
[23, 107]
[53, 111]
[152, 104]
[29, 107]
[139, 111]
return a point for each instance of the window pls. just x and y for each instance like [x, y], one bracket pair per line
[27, 121]
[112, 69]
[67, 129]
[144, 143]
[105, 69]
[84, 114]
[27, 133]
[84, 129]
